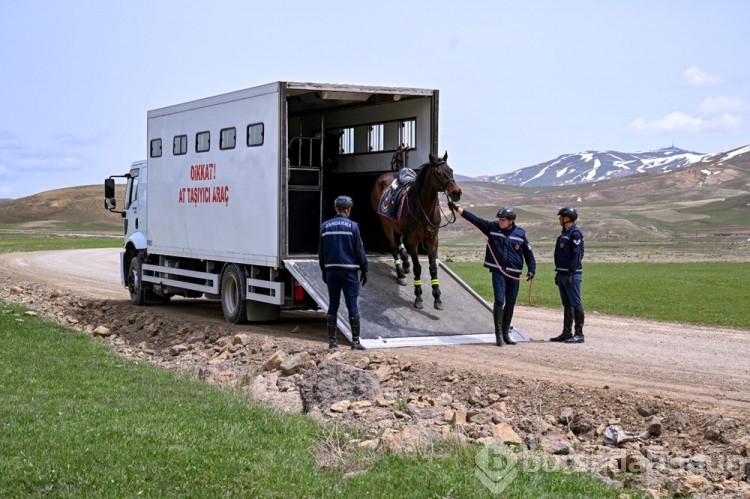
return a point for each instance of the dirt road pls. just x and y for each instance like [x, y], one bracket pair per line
[707, 365]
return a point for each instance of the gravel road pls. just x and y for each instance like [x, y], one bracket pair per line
[689, 363]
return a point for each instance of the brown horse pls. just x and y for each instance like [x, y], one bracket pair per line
[419, 221]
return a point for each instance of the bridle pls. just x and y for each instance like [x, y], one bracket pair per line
[432, 227]
[436, 173]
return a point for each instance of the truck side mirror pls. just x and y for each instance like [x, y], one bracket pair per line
[109, 194]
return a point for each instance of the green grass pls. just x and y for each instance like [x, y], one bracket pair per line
[78, 421]
[698, 293]
[10, 243]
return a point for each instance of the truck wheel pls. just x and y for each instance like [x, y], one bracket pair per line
[233, 294]
[135, 283]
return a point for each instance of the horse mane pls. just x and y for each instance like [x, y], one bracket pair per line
[421, 175]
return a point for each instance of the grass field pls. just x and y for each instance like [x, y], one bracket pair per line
[77, 421]
[12, 242]
[698, 293]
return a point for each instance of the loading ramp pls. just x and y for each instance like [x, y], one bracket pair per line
[387, 314]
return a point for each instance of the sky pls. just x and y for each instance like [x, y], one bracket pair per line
[521, 82]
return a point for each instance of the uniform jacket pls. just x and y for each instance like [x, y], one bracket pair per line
[341, 245]
[569, 250]
[509, 247]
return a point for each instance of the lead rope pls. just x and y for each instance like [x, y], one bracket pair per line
[489, 247]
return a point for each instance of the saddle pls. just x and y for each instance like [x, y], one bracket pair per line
[392, 201]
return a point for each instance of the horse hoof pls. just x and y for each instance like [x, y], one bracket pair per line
[439, 305]
[402, 282]
[418, 305]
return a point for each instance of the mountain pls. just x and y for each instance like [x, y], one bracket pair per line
[594, 166]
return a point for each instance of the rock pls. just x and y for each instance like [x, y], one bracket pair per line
[175, 350]
[360, 404]
[566, 416]
[647, 410]
[294, 364]
[103, 331]
[384, 373]
[506, 434]
[712, 434]
[340, 406]
[274, 361]
[407, 440]
[581, 424]
[332, 381]
[555, 443]
[688, 486]
[632, 462]
[654, 426]
[458, 417]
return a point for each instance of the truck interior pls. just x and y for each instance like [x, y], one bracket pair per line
[338, 143]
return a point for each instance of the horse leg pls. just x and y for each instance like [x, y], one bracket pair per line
[417, 277]
[391, 236]
[403, 253]
[435, 282]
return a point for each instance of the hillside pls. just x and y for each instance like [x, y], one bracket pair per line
[708, 202]
[73, 209]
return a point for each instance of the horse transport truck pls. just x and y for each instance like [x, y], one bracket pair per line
[228, 204]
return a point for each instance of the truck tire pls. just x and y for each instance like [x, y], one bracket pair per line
[233, 294]
[135, 283]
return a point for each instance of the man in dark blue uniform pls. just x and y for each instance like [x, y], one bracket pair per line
[341, 255]
[569, 274]
[507, 248]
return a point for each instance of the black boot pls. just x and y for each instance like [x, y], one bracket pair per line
[497, 316]
[507, 317]
[578, 337]
[331, 320]
[567, 331]
[354, 323]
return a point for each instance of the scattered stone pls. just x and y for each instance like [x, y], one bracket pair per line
[102, 331]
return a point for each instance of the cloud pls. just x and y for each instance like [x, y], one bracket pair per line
[681, 122]
[71, 140]
[694, 77]
[24, 161]
[9, 141]
[716, 105]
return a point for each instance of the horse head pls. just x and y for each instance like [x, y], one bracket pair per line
[443, 177]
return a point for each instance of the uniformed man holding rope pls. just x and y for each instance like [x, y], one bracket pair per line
[507, 248]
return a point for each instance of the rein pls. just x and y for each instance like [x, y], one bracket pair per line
[494, 258]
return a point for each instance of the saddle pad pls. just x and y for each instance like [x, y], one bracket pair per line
[392, 202]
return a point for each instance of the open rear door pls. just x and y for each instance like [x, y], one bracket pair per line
[388, 317]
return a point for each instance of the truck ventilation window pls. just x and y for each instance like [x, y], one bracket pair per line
[202, 141]
[227, 138]
[179, 145]
[408, 133]
[255, 134]
[375, 138]
[347, 141]
[155, 149]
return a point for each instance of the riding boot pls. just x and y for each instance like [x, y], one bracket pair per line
[354, 323]
[567, 331]
[331, 321]
[497, 315]
[578, 337]
[507, 317]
